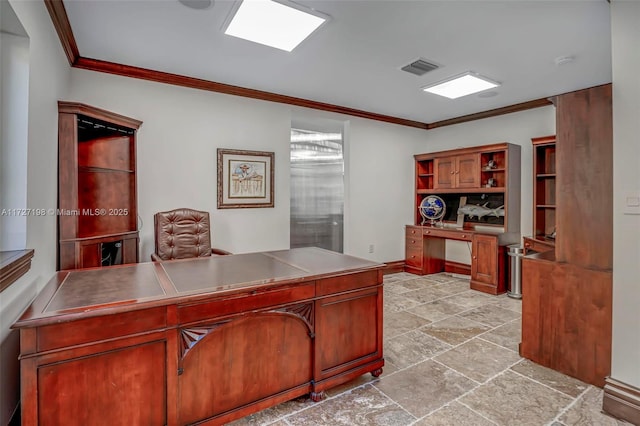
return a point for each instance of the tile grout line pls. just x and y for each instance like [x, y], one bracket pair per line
[568, 407]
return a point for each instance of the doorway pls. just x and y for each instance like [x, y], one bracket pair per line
[317, 189]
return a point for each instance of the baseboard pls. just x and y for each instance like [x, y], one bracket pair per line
[457, 268]
[393, 267]
[621, 401]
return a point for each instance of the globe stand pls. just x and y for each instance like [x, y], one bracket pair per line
[432, 208]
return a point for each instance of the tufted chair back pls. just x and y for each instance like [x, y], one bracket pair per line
[182, 234]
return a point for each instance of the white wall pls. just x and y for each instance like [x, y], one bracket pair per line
[14, 84]
[177, 142]
[625, 16]
[48, 82]
[517, 128]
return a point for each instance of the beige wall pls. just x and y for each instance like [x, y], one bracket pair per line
[625, 36]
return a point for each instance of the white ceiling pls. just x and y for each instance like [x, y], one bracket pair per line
[354, 60]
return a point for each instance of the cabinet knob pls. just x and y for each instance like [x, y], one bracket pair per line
[457, 171]
[413, 241]
[464, 235]
[475, 257]
[427, 232]
[452, 172]
[527, 245]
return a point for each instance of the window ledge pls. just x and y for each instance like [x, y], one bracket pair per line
[13, 265]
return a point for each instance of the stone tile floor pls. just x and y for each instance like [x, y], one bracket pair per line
[451, 359]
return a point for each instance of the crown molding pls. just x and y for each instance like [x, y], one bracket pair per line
[62, 25]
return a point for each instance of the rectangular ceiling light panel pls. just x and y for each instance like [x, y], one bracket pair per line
[273, 23]
[463, 85]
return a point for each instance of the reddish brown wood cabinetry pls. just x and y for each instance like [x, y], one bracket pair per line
[566, 304]
[457, 172]
[198, 341]
[97, 202]
[488, 271]
[544, 189]
[488, 174]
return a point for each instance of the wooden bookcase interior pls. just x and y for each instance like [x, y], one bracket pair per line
[544, 188]
[97, 224]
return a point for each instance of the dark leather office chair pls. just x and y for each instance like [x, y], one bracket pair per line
[183, 234]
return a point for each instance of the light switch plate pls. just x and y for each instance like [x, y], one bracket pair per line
[631, 202]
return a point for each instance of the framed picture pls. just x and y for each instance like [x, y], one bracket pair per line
[245, 179]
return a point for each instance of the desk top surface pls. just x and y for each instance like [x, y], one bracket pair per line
[70, 294]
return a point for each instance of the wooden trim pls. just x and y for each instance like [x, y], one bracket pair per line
[61, 23]
[100, 114]
[393, 267]
[13, 265]
[457, 268]
[212, 86]
[536, 103]
[621, 400]
[543, 140]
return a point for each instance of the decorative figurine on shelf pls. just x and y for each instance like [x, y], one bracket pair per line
[491, 164]
[432, 208]
[491, 182]
[480, 211]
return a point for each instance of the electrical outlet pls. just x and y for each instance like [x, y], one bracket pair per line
[371, 248]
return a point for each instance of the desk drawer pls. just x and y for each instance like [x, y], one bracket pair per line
[347, 282]
[245, 302]
[447, 233]
[413, 231]
[413, 257]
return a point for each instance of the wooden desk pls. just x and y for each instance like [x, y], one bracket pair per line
[200, 341]
[425, 254]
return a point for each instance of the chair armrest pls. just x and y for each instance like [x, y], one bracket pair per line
[219, 251]
[155, 258]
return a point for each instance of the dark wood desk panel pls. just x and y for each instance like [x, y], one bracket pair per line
[229, 336]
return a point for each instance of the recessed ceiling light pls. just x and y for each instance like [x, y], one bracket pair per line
[197, 4]
[461, 85]
[275, 24]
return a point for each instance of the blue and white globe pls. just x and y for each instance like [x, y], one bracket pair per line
[432, 208]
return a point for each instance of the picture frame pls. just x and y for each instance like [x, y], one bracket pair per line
[245, 179]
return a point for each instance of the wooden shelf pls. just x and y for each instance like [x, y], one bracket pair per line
[97, 181]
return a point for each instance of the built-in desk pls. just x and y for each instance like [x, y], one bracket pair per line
[425, 254]
[198, 341]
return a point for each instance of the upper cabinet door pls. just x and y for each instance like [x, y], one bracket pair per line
[468, 171]
[444, 172]
[461, 171]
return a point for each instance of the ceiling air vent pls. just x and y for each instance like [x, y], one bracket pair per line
[419, 67]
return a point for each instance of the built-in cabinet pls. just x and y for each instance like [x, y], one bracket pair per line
[487, 175]
[488, 271]
[457, 171]
[97, 200]
[567, 292]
